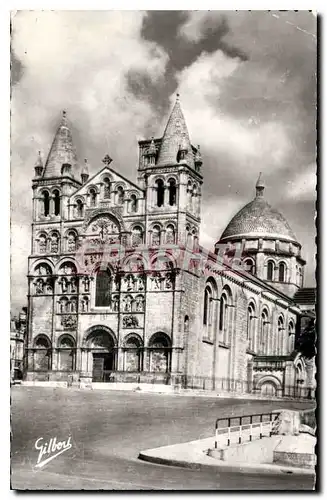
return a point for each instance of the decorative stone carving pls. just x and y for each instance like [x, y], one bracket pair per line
[42, 244]
[127, 303]
[39, 287]
[49, 287]
[169, 281]
[64, 285]
[84, 304]
[139, 303]
[129, 283]
[71, 243]
[130, 322]
[86, 284]
[115, 301]
[155, 282]
[69, 322]
[73, 285]
[140, 283]
[54, 244]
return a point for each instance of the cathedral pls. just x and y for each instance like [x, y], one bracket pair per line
[121, 292]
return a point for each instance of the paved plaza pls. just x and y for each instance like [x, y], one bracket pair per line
[108, 429]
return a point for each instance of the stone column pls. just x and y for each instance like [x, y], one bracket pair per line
[166, 196]
[51, 205]
[120, 359]
[125, 206]
[259, 266]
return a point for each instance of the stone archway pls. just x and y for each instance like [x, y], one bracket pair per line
[269, 386]
[101, 348]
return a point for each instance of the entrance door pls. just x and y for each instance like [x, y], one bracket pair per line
[103, 364]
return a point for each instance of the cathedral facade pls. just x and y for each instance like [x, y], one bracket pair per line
[120, 291]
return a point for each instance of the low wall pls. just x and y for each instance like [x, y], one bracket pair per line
[258, 451]
[40, 383]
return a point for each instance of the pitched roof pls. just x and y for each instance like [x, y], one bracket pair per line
[175, 135]
[62, 151]
[305, 296]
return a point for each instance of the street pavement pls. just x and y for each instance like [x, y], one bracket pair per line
[108, 429]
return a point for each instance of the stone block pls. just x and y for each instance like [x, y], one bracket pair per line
[287, 423]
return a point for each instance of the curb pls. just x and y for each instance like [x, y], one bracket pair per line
[242, 468]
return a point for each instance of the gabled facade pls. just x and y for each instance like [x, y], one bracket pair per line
[121, 291]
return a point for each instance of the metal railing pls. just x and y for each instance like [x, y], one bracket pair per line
[257, 426]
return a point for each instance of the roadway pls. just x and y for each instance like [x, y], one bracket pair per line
[109, 428]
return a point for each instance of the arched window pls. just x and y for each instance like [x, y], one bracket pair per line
[42, 243]
[194, 197]
[71, 241]
[46, 203]
[84, 304]
[160, 192]
[170, 234]
[106, 190]
[42, 270]
[79, 209]
[249, 266]
[195, 240]
[160, 353]
[137, 236]
[120, 195]
[93, 197]
[172, 191]
[222, 312]
[133, 203]
[282, 272]
[189, 195]
[189, 241]
[280, 337]
[156, 235]
[73, 305]
[56, 200]
[67, 268]
[224, 316]
[63, 305]
[42, 354]
[102, 293]
[132, 354]
[251, 327]
[207, 306]
[264, 325]
[54, 243]
[66, 354]
[270, 270]
[291, 337]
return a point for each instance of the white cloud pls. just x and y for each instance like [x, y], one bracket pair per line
[78, 61]
[215, 215]
[302, 187]
[249, 142]
[194, 27]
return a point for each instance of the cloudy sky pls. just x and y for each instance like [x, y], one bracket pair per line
[247, 83]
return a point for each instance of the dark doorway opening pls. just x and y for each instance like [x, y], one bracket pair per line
[103, 365]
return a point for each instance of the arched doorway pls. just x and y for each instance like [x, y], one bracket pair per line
[268, 389]
[102, 348]
[42, 353]
[160, 353]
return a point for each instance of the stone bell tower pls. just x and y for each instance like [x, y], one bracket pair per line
[170, 172]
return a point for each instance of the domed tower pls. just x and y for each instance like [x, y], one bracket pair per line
[268, 245]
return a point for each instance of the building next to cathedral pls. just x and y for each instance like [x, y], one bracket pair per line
[119, 289]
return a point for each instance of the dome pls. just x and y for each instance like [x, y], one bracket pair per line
[258, 219]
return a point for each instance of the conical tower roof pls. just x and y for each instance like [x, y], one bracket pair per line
[62, 151]
[175, 136]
